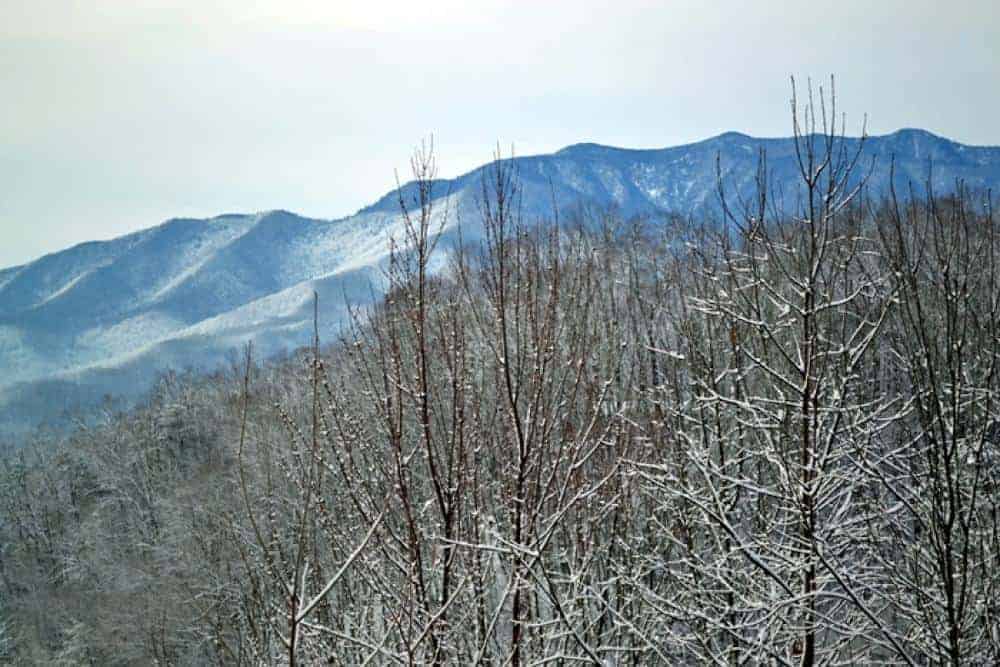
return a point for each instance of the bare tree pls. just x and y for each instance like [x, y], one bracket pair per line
[937, 533]
[771, 351]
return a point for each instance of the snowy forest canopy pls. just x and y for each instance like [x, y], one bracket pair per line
[769, 439]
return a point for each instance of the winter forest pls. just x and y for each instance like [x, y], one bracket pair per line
[770, 436]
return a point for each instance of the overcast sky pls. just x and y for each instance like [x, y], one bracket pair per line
[119, 114]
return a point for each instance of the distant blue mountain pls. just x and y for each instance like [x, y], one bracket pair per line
[683, 179]
[106, 317]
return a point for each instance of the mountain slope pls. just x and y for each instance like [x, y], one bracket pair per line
[105, 317]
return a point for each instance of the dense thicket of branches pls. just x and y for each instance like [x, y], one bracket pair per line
[773, 440]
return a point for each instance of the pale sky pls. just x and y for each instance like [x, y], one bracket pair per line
[119, 114]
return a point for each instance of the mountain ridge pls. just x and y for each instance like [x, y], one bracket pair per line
[188, 289]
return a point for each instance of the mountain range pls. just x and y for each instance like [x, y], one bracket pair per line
[104, 318]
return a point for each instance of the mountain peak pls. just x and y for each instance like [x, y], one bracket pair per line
[914, 131]
[278, 215]
[733, 135]
[588, 149]
[185, 292]
[917, 134]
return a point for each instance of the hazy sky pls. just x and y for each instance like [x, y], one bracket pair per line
[118, 114]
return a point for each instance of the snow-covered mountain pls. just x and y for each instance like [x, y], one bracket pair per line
[106, 317]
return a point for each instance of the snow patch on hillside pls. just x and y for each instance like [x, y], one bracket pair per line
[109, 315]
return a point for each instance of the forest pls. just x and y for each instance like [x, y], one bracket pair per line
[768, 437]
